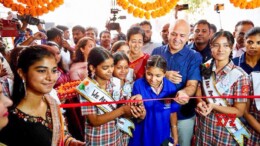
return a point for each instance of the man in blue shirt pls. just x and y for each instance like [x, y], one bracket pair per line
[183, 70]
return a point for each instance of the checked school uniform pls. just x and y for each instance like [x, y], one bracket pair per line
[107, 134]
[255, 137]
[156, 127]
[207, 132]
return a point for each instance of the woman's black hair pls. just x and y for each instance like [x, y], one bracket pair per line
[96, 56]
[117, 45]
[26, 58]
[207, 71]
[120, 56]
[14, 57]
[252, 32]
[79, 56]
[133, 31]
[157, 61]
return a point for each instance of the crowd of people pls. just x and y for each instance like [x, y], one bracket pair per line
[179, 86]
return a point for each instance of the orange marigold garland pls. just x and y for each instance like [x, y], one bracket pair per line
[154, 9]
[32, 7]
[67, 90]
[244, 4]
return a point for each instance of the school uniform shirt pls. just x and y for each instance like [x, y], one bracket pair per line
[156, 127]
[255, 136]
[187, 62]
[107, 134]
[241, 61]
[207, 132]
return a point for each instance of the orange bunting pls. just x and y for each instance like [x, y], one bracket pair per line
[32, 7]
[245, 4]
[147, 10]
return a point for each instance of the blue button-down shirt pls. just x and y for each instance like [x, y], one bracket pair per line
[187, 62]
[241, 61]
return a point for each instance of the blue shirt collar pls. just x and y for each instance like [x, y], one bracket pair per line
[242, 58]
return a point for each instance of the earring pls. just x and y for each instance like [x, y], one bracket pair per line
[92, 75]
[24, 86]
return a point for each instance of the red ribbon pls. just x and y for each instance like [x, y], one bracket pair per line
[73, 105]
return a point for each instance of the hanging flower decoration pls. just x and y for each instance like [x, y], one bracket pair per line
[153, 9]
[246, 4]
[67, 90]
[32, 7]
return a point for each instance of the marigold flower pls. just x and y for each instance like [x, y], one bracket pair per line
[32, 7]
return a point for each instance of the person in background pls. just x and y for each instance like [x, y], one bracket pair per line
[21, 38]
[160, 122]
[3, 50]
[55, 39]
[183, 70]
[67, 52]
[22, 31]
[121, 71]
[118, 37]
[165, 33]
[6, 82]
[250, 60]
[92, 32]
[202, 36]
[66, 32]
[121, 46]
[78, 32]
[220, 77]
[148, 45]
[28, 33]
[31, 40]
[35, 118]
[191, 39]
[5, 70]
[105, 39]
[135, 37]
[240, 29]
[213, 29]
[78, 68]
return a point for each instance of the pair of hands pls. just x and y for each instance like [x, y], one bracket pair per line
[203, 108]
[135, 109]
